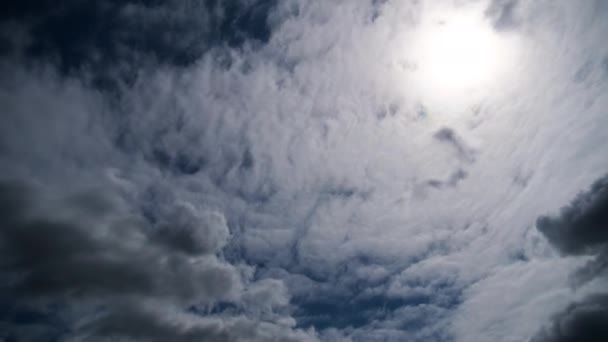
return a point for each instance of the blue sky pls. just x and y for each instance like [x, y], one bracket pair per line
[297, 170]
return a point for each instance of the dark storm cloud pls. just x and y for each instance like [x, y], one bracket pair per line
[582, 321]
[581, 228]
[95, 254]
[92, 266]
[103, 35]
[84, 248]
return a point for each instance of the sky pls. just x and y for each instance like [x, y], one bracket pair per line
[297, 170]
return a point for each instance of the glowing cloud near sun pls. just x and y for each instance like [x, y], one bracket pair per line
[458, 52]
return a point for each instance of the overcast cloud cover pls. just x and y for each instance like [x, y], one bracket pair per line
[250, 170]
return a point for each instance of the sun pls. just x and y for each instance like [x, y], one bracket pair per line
[459, 51]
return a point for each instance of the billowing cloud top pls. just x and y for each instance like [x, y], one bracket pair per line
[251, 170]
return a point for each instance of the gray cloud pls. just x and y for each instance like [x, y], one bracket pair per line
[192, 232]
[503, 13]
[101, 36]
[581, 321]
[449, 136]
[253, 169]
[94, 253]
[87, 253]
[141, 323]
[453, 180]
[581, 228]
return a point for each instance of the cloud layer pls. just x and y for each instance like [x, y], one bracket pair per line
[276, 170]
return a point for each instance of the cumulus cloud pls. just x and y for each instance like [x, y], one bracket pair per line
[86, 251]
[192, 232]
[581, 228]
[581, 321]
[101, 255]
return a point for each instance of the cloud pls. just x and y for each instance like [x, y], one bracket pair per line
[98, 37]
[581, 321]
[187, 230]
[581, 228]
[85, 251]
[252, 170]
[93, 253]
[141, 323]
[503, 13]
[453, 180]
[449, 136]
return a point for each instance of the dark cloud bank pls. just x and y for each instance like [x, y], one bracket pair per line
[78, 34]
[581, 228]
[90, 254]
[62, 257]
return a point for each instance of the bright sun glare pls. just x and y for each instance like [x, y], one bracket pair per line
[459, 52]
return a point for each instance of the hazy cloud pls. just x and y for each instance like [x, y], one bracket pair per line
[449, 136]
[503, 13]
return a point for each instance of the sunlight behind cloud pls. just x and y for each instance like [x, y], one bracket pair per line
[458, 53]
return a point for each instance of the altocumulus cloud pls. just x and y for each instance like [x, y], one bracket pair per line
[268, 171]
